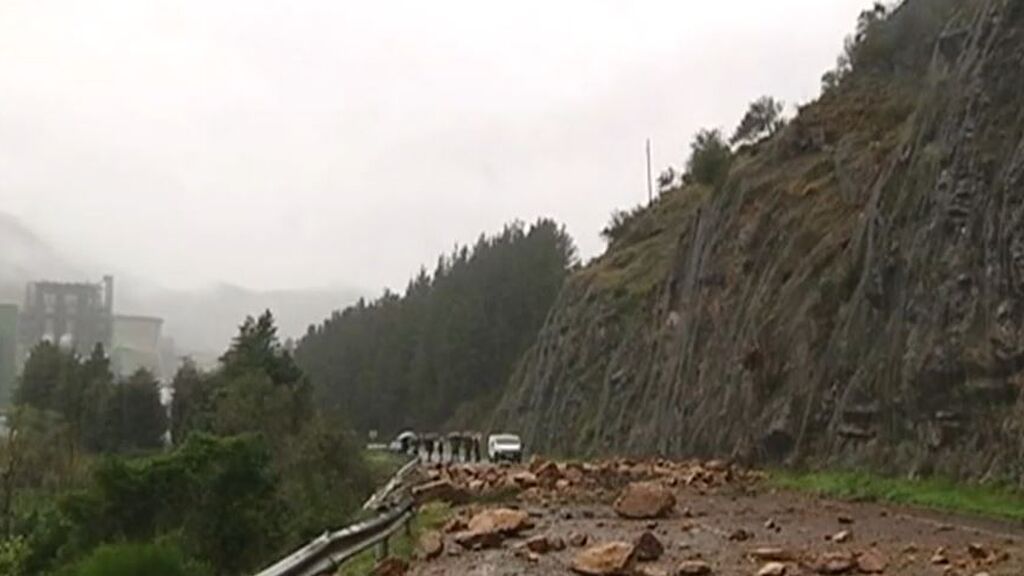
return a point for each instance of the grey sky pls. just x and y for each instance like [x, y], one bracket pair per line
[280, 144]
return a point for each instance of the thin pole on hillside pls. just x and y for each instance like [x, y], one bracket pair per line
[650, 186]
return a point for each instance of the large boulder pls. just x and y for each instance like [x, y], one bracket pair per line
[645, 500]
[610, 559]
[487, 529]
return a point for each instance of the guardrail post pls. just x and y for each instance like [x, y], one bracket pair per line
[382, 549]
[408, 527]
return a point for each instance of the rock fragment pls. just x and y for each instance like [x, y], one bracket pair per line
[645, 501]
[835, 563]
[648, 547]
[431, 545]
[609, 559]
[772, 569]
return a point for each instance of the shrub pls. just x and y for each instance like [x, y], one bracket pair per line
[763, 118]
[619, 224]
[135, 560]
[710, 158]
[894, 38]
[13, 557]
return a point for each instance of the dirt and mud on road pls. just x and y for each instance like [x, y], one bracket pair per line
[691, 518]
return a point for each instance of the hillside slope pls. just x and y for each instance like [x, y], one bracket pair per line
[852, 294]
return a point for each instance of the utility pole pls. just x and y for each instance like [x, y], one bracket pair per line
[650, 186]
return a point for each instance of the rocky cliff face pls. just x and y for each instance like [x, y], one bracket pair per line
[854, 294]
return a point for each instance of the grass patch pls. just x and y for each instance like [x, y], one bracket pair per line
[429, 517]
[935, 493]
[383, 464]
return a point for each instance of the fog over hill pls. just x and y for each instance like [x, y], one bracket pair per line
[201, 321]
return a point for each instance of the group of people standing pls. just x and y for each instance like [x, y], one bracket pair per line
[455, 447]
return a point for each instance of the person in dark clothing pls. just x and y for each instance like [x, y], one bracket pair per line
[455, 441]
[430, 448]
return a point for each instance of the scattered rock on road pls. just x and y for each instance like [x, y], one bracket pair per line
[610, 559]
[772, 569]
[431, 545]
[772, 555]
[645, 501]
[835, 563]
[538, 544]
[578, 539]
[871, 562]
[490, 527]
[841, 537]
[648, 547]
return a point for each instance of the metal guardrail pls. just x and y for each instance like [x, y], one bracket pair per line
[329, 551]
[380, 497]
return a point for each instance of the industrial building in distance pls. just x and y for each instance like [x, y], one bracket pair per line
[78, 316]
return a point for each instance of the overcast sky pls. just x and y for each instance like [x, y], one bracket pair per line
[286, 144]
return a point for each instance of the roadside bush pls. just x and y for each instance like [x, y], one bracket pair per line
[13, 557]
[216, 494]
[137, 560]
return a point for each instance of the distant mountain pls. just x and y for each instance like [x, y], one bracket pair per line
[201, 322]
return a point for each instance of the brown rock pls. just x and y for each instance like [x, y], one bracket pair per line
[645, 500]
[977, 551]
[740, 535]
[871, 562]
[455, 525]
[488, 528]
[557, 544]
[525, 479]
[536, 463]
[845, 519]
[431, 545]
[613, 558]
[390, 567]
[538, 544]
[772, 569]
[835, 563]
[841, 537]
[502, 520]
[772, 555]
[940, 557]
[693, 568]
[648, 547]
[578, 539]
[548, 473]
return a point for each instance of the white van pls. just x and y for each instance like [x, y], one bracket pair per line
[504, 448]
